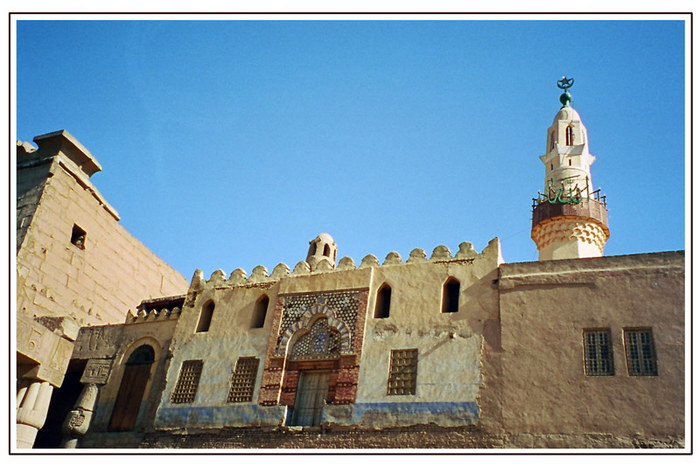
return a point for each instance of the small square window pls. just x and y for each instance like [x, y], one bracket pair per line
[641, 356]
[598, 356]
[403, 372]
[78, 236]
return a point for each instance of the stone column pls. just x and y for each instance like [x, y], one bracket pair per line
[33, 398]
[78, 420]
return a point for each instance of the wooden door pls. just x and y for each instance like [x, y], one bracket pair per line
[312, 391]
[128, 402]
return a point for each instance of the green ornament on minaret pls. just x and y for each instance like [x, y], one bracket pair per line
[565, 83]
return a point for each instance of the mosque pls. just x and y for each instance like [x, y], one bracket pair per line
[438, 350]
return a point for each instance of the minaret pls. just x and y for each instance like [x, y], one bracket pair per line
[570, 219]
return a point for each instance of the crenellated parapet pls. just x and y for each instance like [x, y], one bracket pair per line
[260, 276]
[157, 309]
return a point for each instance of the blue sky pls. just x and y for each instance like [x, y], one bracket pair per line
[229, 144]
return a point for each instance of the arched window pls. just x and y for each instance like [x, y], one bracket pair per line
[569, 136]
[450, 295]
[551, 141]
[327, 250]
[312, 249]
[205, 317]
[137, 371]
[260, 312]
[383, 303]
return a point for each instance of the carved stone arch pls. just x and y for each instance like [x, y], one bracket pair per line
[310, 315]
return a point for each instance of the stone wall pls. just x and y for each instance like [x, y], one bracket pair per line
[95, 282]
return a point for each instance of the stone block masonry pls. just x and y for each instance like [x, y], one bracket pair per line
[94, 281]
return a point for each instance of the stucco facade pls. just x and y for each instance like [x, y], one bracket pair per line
[545, 310]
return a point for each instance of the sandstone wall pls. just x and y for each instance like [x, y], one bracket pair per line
[96, 284]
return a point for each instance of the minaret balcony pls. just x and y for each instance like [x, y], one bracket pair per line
[592, 208]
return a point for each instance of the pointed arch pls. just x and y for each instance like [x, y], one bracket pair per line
[260, 312]
[382, 304]
[450, 295]
[205, 316]
[304, 324]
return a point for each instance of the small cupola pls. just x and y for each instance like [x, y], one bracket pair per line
[322, 247]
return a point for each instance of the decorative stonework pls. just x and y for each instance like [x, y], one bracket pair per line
[319, 331]
[339, 308]
[563, 229]
[96, 371]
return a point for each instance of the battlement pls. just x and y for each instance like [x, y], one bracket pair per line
[156, 309]
[259, 276]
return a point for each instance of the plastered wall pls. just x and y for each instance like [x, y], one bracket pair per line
[228, 338]
[544, 309]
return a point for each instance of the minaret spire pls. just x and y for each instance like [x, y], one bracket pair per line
[570, 219]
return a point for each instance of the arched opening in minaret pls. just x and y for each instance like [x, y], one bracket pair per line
[551, 141]
[327, 250]
[569, 135]
[383, 303]
[450, 295]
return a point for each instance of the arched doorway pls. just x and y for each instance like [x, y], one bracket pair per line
[314, 354]
[136, 374]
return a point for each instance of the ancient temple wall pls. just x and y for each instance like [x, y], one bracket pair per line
[93, 283]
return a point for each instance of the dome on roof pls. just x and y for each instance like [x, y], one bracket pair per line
[324, 237]
[567, 113]
[320, 248]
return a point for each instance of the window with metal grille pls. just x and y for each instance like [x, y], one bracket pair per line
[243, 380]
[641, 357]
[598, 352]
[187, 383]
[403, 372]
